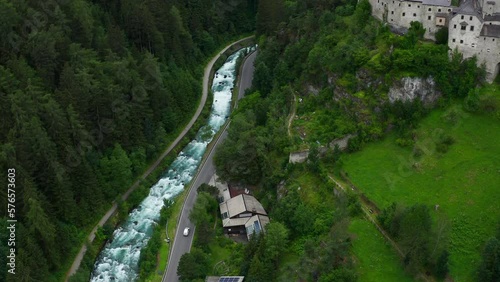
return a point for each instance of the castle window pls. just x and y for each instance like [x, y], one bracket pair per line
[470, 18]
[463, 27]
[399, 4]
[414, 14]
[461, 41]
[418, 6]
[440, 20]
[429, 17]
[409, 5]
[392, 12]
[462, 17]
[392, 2]
[439, 10]
[449, 10]
[430, 9]
[455, 26]
[471, 28]
[404, 14]
[453, 40]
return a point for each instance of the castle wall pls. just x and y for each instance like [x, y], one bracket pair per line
[470, 43]
[489, 7]
[489, 54]
[402, 13]
[464, 29]
[466, 41]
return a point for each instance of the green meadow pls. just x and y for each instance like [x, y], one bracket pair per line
[376, 260]
[463, 180]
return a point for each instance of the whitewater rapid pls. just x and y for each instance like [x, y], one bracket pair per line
[119, 259]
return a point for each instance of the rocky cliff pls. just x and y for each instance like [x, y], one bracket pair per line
[411, 88]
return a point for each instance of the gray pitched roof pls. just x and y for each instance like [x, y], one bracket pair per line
[445, 3]
[492, 18]
[490, 30]
[241, 204]
[469, 7]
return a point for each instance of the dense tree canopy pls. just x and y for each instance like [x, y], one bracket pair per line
[89, 92]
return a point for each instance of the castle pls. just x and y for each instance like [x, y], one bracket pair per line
[473, 27]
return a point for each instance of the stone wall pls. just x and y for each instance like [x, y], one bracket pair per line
[342, 142]
[469, 42]
[466, 41]
[400, 14]
[464, 27]
[298, 157]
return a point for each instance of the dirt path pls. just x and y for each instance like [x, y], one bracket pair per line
[292, 114]
[370, 212]
[112, 210]
[370, 216]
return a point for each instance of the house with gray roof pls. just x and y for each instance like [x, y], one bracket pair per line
[243, 214]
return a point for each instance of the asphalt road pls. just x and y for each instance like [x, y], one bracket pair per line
[76, 263]
[246, 75]
[181, 244]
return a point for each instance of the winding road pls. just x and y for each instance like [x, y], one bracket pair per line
[181, 244]
[112, 210]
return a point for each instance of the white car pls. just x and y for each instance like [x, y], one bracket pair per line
[186, 232]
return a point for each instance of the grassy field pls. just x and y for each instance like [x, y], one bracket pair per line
[220, 252]
[376, 260]
[464, 181]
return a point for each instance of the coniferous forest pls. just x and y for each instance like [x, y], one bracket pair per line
[90, 91]
[93, 91]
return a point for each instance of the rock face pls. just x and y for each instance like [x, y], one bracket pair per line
[411, 88]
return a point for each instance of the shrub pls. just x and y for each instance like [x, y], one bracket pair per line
[404, 142]
[441, 148]
[447, 140]
[441, 266]
[444, 142]
[452, 116]
[471, 102]
[442, 36]
[417, 152]
[489, 269]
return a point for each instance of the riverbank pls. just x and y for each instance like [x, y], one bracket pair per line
[203, 175]
[177, 141]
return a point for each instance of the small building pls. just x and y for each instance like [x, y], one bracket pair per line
[243, 214]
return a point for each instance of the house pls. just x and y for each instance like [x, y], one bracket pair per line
[243, 214]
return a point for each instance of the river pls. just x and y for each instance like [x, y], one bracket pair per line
[119, 259]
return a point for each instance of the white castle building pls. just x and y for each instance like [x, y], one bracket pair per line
[473, 27]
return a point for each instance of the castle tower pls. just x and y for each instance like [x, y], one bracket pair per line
[490, 7]
[474, 32]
